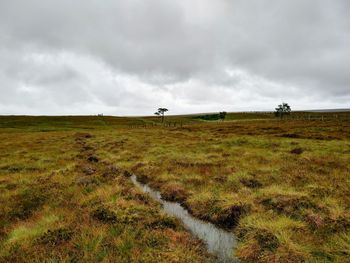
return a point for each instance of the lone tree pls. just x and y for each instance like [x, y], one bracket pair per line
[222, 115]
[282, 109]
[161, 112]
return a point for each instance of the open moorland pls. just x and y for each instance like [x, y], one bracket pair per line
[282, 187]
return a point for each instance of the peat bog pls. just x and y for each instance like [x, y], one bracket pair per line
[280, 186]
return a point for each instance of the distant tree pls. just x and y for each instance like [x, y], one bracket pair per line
[161, 112]
[222, 115]
[282, 109]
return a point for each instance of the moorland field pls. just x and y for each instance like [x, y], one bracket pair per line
[281, 186]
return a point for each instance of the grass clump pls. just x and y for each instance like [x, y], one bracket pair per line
[33, 230]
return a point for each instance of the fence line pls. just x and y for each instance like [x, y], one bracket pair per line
[294, 117]
[151, 125]
[314, 117]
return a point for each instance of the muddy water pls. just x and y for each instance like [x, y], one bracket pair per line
[219, 242]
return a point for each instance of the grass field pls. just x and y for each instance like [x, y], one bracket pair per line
[281, 186]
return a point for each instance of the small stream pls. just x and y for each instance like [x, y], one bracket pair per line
[218, 241]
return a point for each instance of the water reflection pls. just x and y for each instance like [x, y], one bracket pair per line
[218, 241]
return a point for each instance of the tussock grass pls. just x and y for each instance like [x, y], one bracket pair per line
[46, 215]
[284, 205]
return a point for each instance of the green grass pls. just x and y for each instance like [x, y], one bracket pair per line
[282, 186]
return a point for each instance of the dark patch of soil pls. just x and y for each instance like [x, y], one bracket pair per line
[290, 135]
[92, 159]
[288, 205]
[230, 218]
[251, 183]
[127, 173]
[267, 240]
[56, 237]
[142, 178]
[174, 193]
[163, 222]
[104, 215]
[26, 203]
[297, 151]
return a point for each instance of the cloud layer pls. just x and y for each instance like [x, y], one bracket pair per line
[130, 56]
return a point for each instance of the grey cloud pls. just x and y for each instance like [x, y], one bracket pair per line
[133, 36]
[111, 55]
[302, 42]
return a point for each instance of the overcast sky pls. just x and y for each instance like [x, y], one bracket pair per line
[129, 57]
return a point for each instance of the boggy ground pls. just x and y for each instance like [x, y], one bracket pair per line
[61, 203]
[281, 186]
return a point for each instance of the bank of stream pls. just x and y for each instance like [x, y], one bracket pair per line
[218, 241]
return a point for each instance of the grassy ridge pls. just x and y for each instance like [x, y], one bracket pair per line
[281, 186]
